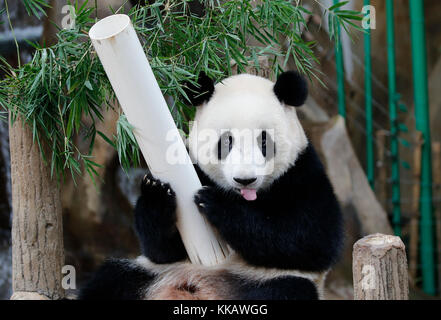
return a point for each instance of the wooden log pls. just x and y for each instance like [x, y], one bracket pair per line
[436, 149]
[415, 214]
[37, 234]
[380, 268]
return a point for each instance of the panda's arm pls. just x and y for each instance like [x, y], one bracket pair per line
[305, 238]
[155, 222]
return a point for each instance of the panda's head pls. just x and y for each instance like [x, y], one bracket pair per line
[246, 132]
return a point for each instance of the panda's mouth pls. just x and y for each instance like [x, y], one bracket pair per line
[248, 194]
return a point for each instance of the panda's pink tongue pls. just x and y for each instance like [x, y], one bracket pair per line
[248, 194]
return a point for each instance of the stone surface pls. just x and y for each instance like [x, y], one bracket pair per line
[350, 181]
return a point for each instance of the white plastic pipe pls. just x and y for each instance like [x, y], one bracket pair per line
[135, 86]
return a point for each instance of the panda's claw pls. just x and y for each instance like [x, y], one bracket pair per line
[206, 200]
[153, 188]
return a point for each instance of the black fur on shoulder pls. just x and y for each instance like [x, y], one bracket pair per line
[117, 279]
[291, 88]
[155, 222]
[197, 95]
[295, 224]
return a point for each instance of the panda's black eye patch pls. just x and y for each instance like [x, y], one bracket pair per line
[266, 145]
[224, 145]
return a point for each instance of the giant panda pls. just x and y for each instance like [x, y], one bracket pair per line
[265, 192]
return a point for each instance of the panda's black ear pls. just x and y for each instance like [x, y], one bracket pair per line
[202, 92]
[291, 88]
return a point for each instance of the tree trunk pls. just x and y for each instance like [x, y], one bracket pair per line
[37, 234]
[380, 268]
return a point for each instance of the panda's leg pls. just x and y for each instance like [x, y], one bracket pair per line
[281, 288]
[118, 279]
[155, 222]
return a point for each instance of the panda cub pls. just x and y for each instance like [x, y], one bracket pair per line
[264, 190]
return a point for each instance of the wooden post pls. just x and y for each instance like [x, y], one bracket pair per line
[37, 234]
[380, 268]
[436, 149]
[415, 214]
[381, 181]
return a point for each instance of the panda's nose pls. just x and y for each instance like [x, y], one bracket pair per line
[245, 182]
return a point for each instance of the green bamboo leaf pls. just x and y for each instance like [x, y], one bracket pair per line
[405, 165]
[88, 85]
[404, 142]
[338, 5]
[36, 7]
[402, 107]
[402, 127]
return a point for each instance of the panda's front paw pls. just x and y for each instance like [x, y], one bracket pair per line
[155, 222]
[151, 186]
[157, 194]
[207, 200]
